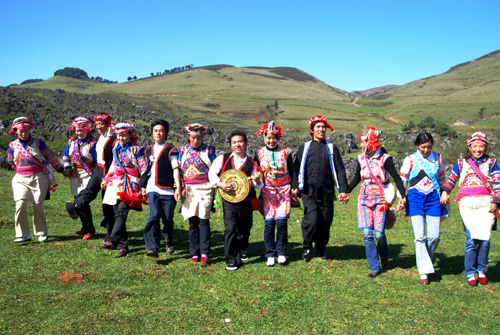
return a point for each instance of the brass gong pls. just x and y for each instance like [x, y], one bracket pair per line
[239, 184]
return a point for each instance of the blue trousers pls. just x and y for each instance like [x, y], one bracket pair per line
[161, 207]
[199, 236]
[276, 247]
[476, 255]
[374, 251]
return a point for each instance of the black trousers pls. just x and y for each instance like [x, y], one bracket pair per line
[117, 230]
[86, 219]
[86, 196]
[199, 236]
[238, 222]
[316, 223]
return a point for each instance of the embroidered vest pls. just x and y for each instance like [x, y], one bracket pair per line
[274, 163]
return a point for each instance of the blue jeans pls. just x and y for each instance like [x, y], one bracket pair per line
[476, 255]
[425, 246]
[278, 247]
[374, 251]
[161, 207]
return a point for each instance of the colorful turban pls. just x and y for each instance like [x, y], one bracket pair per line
[270, 128]
[103, 117]
[195, 129]
[478, 137]
[370, 134]
[319, 118]
[21, 123]
[81, 122]
[124, 127]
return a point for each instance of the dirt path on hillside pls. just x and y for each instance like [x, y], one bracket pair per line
[354, 102]
[398, 121]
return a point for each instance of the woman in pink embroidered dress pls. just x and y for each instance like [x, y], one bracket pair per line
[479, 179]
[374, 162]
[277, 163]
[122, 183]
[30, 158]
[79, 162]
[196, 159]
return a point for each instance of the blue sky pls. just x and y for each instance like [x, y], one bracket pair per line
[351, 45]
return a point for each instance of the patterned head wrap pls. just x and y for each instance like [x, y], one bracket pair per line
[478, 137]
[270, 128]
[21, 123]
[320, 118]
[195, 129]
[103, 117]
[81, 122]
[370, 134]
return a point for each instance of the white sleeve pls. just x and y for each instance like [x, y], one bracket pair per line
[213, 172]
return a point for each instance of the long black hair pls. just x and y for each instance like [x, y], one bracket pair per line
[423, 137]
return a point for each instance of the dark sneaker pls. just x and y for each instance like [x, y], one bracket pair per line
[373, 274]
[244, 255]
[321, 254]
[170, 249]
[152, 253]
[122, 252]
[231, 267]
[70, 208]
[306, 255]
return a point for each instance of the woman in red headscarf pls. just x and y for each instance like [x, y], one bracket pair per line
[30, 158]
[79, 161]
[373, 201]
[277, 163]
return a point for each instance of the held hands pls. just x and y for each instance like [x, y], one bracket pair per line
[401, 204]
[295, 194]
[67, 173]
[343, 198]
[445, 199]
[493, 207]
[177, 194]
[255, 177]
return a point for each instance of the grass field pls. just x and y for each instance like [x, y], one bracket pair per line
[68, 285]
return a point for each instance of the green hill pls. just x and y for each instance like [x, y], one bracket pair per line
[454, 97]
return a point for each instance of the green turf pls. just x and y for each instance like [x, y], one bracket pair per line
[68, 285]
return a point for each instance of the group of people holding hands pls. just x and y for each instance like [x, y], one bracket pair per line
[129, 175]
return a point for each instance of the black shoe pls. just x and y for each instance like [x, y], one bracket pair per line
[244, 255]
[306, 255]
[373, 274]
[152, 253]
[70, 208]
[321, 254]
[231, 267]
[383, 262]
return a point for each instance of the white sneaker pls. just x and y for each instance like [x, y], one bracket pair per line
[42, 238]
[23, 239]
[281, 259]
[270, 261]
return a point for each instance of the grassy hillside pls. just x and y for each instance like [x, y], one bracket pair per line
[456, 95]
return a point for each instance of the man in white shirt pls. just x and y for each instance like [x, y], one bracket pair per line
[238, 219]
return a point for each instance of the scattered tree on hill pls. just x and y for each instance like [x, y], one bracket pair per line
[31, 81]
[429, 123]
[481, 111]
[72, 72]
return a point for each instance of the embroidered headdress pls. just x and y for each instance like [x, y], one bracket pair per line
[370, 134]
[270, 128]
[320, 118]
[21, 123]
[103, 117]
[195, 129]
[478, 137]
[81, 122]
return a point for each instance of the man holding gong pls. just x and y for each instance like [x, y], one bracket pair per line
[239, 198]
